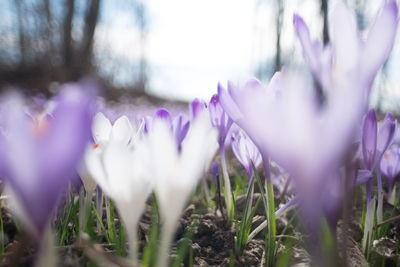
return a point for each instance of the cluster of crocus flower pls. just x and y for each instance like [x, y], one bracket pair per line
[307, 131]
[307, 126]
[165, 155]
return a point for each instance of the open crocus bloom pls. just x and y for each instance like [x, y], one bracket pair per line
[175, 172]
[347, 54]
[39, 163]
[286, 121]
[117, 167]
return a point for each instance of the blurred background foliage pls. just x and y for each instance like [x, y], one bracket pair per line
[126, 43]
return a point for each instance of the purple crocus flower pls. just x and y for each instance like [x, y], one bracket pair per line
[39, 162]
[246, 152]
[219, 119]
[390, 167]
[178, 125]
[376, 138]
[375, 141]
[286, 121]
[222, 122]
[180, 129]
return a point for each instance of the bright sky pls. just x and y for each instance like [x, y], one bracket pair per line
[191, 45]
[194, 44]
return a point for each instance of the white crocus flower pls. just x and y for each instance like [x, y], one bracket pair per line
[103, 133]
[118, 169]
[176, 173]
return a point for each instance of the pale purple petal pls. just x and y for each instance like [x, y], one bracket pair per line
[386, 131]
[369, 139]
[216, 111]
[229, 105]
[380, 40]
[344, 38]
[180, 129]
[311, 50]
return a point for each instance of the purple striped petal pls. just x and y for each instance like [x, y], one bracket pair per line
[369, 139]
[386, 132]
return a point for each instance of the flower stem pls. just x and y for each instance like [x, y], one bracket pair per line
[251, 196]
[85, 206]
[227, 184]
[47, 256]
[165, 244]
[99, 207]
[133, 244]
[379, 211]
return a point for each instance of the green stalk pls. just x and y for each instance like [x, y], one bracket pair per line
[269, 206]
[167, 234]
[85, 205]
[101, 224]
[47, 256]
[227, 184]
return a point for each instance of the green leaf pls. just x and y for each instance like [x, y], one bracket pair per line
[269, 206]
[101, 224]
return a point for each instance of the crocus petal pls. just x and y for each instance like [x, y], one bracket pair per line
[122, 130]
[216, 111]
[345, 42]
[246, 152]
[229, 105]
[73, 111]
[369, 139]
[195, 107]
[180, 129]
[385, 135]
[163, 114]
[310, 50]
[380, 40]
[101, 128]
[390, 164]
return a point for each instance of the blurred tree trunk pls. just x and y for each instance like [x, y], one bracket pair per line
[141, 18]
[279, 20]
[21, 30]
[92, 14]
[324, 11]
[49, 31]
[67, 34]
